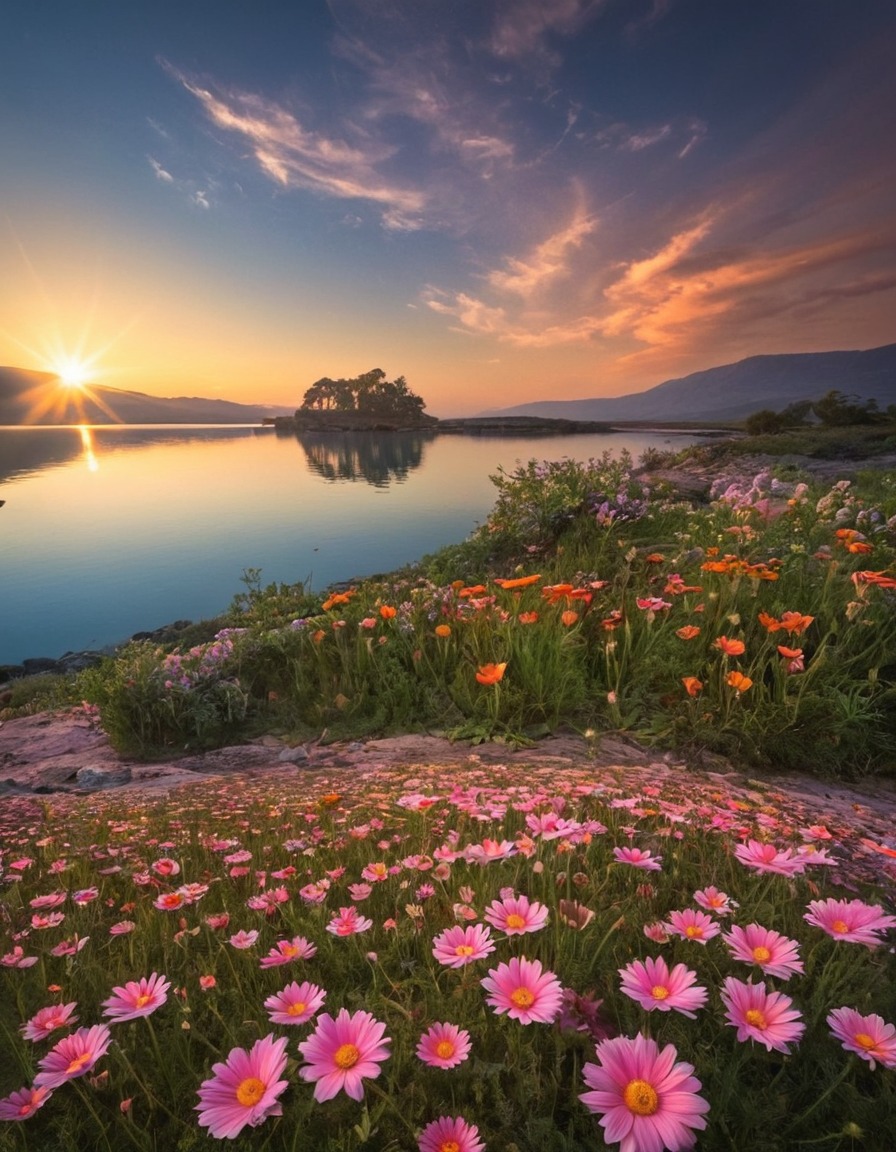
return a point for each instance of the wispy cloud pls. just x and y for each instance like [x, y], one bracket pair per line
[161, 173]
[548, 261]
[295, 156]
[522, 27]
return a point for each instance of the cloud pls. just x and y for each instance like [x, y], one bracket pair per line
[521, 27]
[294, 156]
[639, 141]
[548, 261]
[160, 172]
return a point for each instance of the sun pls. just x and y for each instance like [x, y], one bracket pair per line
[73, 373]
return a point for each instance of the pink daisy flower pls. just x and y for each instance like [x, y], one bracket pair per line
[638, 858]
[244, 1089]
[295, 1004]
[450, 1134]
[764, 858]
[349, 922]
[285, 951]
[714, 901]
[653, 986]
[515, 915]
[648, 1101]
[444, 1046]
[868, 1036]
[691, 925]
[775, 954]
[24, 1103]
[758, 1014]
[169, 902]
[136, 998]
[523, 991]
[242, 939]
[122, 928]
[340, 1053]
[851, 920]
[489, 851]
[458, 946]
[73, 1056]
[47, 1020]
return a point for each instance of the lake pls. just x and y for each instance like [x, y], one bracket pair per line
[113, 530]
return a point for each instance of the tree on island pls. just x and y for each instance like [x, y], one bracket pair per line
[370, 394]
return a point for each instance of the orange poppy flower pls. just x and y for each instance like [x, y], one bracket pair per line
[387, 611]
[318, 635]
[738, 681]
[569, 618]
[769, 623]
[490, 673]
[555, 592]
[654, 558]
[794, 622]
[692, 685]
[518, 582]
[790, 653]
[476, 590]
[881, 579]
[443, 630]
[337, 598]
[688, 632]
[527, 617]
[730, 647]
[859, 546]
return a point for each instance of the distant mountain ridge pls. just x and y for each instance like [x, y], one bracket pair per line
[28, 397]
[734, 391]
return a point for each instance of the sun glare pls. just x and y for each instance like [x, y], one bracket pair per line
[73, 373]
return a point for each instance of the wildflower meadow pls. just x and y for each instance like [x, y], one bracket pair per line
[480, 956]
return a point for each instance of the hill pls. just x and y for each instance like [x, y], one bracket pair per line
[28, 397]
[734, 391]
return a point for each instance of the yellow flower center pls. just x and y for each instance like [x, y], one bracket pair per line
[78, 1063]
[659, 992]
[463, 950]
[445, 1049]
[761, 955]
[840, 926]
[296, 1008]
[864, 1041]
[693, 931]
[250, 1091]
[448, 1146]
[514, 920]
[755, 1018]
[522, 998]
[640, 1098]
[347, 1056]
[142, 1001]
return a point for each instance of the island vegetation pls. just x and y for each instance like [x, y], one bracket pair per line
[517, 955]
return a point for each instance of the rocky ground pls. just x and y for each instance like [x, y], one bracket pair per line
[66, 753]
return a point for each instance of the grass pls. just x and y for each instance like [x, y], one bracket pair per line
[584, 600]
[112, 889]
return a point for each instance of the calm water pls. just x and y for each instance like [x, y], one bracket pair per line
[109, 531]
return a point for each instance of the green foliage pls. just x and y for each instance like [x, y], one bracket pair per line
[150, 701]
[605, 603]
[370, 393]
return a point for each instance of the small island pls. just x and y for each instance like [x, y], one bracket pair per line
[371, 403]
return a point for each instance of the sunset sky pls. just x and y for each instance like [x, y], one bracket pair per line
[502, 201]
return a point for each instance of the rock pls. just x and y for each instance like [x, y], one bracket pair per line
[297, 755]
[37, 664]
[77, 661]
[96, 776]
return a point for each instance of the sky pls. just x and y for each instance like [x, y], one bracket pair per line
[500, 200]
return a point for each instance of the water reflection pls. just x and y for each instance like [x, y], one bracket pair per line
[27, 450]
[379, 458]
